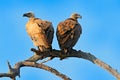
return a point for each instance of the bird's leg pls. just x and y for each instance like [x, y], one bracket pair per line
[63, 54]
[65, 51]
[38, 48]
[41, 48]
[50, 51]
[69, 51]
[49, 58]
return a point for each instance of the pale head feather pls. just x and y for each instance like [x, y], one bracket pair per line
[75, 16]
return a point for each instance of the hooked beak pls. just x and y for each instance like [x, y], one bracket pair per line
[79, 16]
[24, 15]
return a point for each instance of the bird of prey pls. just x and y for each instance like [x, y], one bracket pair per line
[68, 33]
[40, 31]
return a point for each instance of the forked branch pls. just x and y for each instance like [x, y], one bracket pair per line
[31, 62]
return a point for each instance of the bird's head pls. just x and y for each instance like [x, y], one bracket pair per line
[76, 16]
[29, 15]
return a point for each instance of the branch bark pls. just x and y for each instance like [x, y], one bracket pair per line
[31, 62]
[13, 72]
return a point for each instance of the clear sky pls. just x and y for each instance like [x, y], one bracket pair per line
[101, 36]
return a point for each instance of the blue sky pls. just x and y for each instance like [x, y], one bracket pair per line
[101, 36]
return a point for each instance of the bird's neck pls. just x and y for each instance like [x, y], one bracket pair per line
[31, 19]
[74, 18]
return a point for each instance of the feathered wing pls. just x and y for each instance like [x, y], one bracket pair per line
[68, 33]
[48, 28]
[37, 34]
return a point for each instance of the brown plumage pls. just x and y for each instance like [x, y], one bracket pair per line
[40, 31]
[68, 33]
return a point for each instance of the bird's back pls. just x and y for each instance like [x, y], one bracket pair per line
[68, 33]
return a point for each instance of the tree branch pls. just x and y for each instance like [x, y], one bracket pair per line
[84, 55]
[31, 62]
[16, 70]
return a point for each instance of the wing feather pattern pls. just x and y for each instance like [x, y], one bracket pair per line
[48, 28]
[68, 33]
[41, 32]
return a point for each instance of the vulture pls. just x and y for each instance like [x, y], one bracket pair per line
[68, 33]
[40, 31]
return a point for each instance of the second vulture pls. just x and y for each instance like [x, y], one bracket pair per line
[68, 33]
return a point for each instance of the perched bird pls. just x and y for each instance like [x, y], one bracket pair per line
[40, 31]
[68, 33]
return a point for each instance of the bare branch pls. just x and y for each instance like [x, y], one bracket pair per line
[31, 62]
[45, 67]
[93, 59]
[89, 57]
[16, 70]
